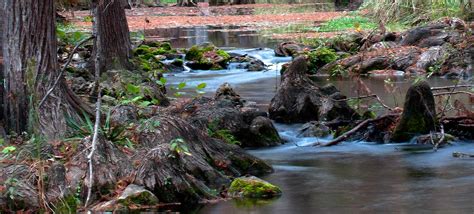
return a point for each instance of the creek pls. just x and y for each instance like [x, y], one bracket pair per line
[354, 177]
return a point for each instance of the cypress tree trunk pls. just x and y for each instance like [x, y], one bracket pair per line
[30, 70]
[2, 19]
[112, 26]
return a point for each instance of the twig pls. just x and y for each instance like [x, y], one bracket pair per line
[368, 96]
[454, 92]
[69, 60]
[94, 145]
[436, 145]
[451, 87]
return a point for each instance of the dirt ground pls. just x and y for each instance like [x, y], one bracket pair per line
[255, 16]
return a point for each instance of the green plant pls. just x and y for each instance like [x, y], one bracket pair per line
[223, 134]
[11, 183]
[85, 127]
[357, 23]
[178, 147]
[200, 88]
[69, 34]
[8, 150]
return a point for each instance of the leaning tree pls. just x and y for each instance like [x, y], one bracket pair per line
[36, 96]
[111, 29]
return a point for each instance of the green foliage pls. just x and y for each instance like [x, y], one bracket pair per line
[11, 184]
[8, 150]
[319, 57]
[178, 147]
[69, 35]
[88, 19]
[347, 22]
[412, 10]
[85, 127]
[223, 134]
[338, 70]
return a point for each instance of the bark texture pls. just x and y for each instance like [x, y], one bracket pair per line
[30, 69]
[111, 23]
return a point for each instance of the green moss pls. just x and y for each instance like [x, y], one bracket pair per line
[178, 62]
[223, 54]
[253, 187]
[142, 50]
[194, 53]
[319, 57]
[226, 136]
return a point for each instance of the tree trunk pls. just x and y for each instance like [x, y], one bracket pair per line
[112, 26]
[30, 70]
[186, 3]
[2, 19]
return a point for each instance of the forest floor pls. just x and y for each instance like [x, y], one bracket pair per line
[257, 17]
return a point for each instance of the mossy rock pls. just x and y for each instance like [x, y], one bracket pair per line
[419, 113]
[253, 187]
[137, 195]
[320, 57]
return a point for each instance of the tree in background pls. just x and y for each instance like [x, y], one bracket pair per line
[111, 28]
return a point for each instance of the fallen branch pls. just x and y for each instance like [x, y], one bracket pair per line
[352, 131]
[69, 60]
[462, 155]
[454, 92]
[451, 87]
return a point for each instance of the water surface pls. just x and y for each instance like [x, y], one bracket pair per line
[354, 177]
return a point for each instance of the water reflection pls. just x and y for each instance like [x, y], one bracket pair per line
[228, 36]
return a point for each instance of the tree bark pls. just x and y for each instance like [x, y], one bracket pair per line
[111, 22]
[2, 19]
[30, 69]
[186, 3]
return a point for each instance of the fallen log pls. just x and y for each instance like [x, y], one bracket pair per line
[354, 130]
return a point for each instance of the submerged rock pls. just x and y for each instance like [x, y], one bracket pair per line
[299, 100]
[256, 65]
[253, 187]
[419, 113]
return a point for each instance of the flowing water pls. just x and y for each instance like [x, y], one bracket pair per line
[354, 177]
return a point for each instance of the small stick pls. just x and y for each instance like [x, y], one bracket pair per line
[454, 92]
[450, 87]
[63, 69]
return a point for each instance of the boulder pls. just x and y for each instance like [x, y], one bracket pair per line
[253, 187]
[137, 195]
[299, 100]
[229, 118]
[133, 196]
[287, 49]
[314, 129]
[266, 133]
[256, 65]
[419, 113]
